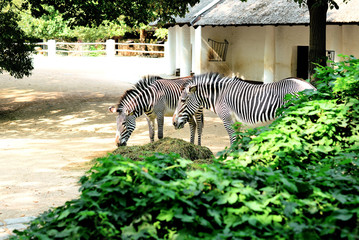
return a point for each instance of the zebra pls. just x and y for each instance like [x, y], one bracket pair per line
[157, 98]
[233, 99]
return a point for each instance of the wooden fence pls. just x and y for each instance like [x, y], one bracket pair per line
[109, 48]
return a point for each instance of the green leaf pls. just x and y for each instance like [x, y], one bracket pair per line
[252, 221]
[64, 214]
[289, 208]
[216, 214]
[185, 218]
[343, 214]
[277, 218]
[289, 185]
[165, 215]
[85, 214]
[254, 205]
[232, 198]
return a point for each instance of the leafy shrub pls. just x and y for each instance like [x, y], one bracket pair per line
[115, 194]
[296, 179]
[342, 79]
[313, 150]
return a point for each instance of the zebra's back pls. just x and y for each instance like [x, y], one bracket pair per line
[169, 91]
[255, 105]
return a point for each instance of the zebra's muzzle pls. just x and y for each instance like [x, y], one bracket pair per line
[178, 125]
[120, 144]
[178, 121]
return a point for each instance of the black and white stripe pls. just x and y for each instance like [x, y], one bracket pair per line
[235, 100]
[157, 98]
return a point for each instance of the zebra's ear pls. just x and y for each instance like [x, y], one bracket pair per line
[192, 89]
[113, 109]
[128, 113]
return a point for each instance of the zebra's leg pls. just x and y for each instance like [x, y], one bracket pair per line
[200, 124]
[192, 127]
[151, 127]
[228, 122]
[230, 131]
[160, 120]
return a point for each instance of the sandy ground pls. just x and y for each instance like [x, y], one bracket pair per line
[55, 122]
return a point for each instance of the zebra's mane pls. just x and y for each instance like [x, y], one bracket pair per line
[127, 93]
[146, 81]
[142, 84]
[206, 77]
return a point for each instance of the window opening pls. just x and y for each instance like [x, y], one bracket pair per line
[218, 50]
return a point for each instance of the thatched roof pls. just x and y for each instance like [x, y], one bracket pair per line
[263, 12]
[193, 11]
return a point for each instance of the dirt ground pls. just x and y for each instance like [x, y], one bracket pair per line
[53, 124]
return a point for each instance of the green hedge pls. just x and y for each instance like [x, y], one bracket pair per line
[296, 179]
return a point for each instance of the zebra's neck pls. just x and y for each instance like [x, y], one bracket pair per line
[145, 101]
[138, 102]
[210, 93]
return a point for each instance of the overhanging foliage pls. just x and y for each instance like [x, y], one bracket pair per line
[135, 12]
[14, 48]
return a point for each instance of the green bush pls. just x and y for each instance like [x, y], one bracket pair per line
[296, 179]
[311, 153]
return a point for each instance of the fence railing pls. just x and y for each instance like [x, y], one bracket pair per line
[108, 48]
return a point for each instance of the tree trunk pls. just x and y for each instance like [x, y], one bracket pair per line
[317, 37]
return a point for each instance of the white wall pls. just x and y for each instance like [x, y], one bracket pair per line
[218, 34]
[287, 40]
[245, 56]
[246, 50]
[343, 40]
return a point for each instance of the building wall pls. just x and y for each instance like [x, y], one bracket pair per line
[217, 34]
[247, 45]
[287, 40]
[343, 40]
[245, 57]
[246, 50]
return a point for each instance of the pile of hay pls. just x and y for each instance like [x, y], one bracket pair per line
[166, 145]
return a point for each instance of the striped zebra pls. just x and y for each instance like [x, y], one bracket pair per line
[157, 98]
[235, 100]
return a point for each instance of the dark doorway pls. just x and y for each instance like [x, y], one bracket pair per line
[302, 61]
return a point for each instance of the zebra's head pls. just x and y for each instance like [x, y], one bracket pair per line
[125, 124]
[126, 116]
[187, 106]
